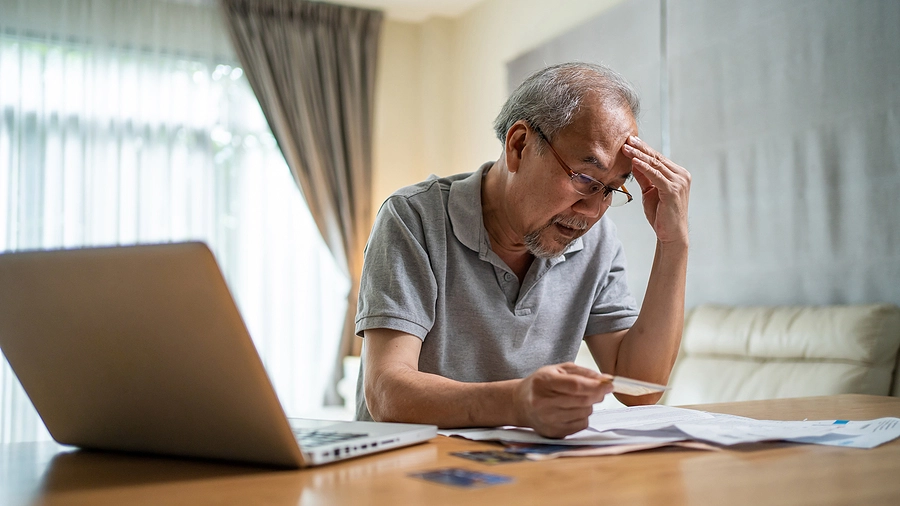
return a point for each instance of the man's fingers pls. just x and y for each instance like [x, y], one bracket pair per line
[637, 149]
[575, 378]
[572, 414]
[642, 180]
[656, 159]
[569, 401]
[654, 170]
[572, 385]
[572, 368]
[564, 422]
[562, 396]
[647, 177]
[635, 146]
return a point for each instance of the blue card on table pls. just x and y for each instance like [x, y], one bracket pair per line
[464, 478]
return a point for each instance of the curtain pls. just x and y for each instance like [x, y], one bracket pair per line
[312, 67]
[129, 122]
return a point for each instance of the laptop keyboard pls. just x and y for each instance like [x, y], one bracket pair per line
[310, 438]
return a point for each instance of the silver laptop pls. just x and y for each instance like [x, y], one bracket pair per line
[142, 349]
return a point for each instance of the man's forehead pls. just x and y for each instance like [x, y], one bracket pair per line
[603, 123]
[621, 175]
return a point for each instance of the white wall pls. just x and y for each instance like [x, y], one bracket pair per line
[442, 82]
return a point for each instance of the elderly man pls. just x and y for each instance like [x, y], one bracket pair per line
[478, 289]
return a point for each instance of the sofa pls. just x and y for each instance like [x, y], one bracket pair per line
[746, 353]
[737, 353]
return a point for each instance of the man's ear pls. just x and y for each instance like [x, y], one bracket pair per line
[515, 144]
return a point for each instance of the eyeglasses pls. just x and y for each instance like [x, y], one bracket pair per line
[586, 185]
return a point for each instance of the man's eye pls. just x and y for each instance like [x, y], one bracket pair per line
[588, 183]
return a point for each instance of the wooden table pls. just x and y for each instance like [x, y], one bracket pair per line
[758, 474]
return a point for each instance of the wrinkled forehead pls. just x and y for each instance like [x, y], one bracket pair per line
[608, 120]
[597, 134]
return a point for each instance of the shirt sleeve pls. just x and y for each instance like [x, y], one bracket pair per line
[397, 290]
[614, 307]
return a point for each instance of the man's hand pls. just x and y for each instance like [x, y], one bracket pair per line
[665, 188]
[558, 399]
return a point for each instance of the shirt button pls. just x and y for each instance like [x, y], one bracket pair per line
[507, 276]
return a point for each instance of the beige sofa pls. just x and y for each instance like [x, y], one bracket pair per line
[745, 353]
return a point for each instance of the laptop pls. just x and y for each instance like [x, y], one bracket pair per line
[142, 349]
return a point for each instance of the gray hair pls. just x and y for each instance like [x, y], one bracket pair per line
[550, 98]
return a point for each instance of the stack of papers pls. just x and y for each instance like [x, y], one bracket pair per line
[644, 427]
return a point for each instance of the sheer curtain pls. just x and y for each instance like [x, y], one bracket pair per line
[128, 122]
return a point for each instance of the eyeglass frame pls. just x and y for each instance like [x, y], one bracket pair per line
[608, 194]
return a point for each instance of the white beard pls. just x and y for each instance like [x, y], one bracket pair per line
[547, 248]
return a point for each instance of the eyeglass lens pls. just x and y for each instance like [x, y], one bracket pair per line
[586, 185]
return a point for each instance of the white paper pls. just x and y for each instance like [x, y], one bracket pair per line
[659, 425]
[643, 417]
[864, 434]
[729, 430]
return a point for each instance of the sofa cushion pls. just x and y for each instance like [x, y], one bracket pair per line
[745, 353]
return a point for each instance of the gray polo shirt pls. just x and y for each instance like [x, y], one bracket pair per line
[429, 271]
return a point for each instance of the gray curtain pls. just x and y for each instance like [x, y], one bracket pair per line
[312, 67]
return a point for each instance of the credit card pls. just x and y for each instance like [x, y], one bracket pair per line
[462, 477]
[630, 386]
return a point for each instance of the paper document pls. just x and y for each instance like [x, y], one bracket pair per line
[661, 425]
[865, 434]
[643, 417]
[729, 430]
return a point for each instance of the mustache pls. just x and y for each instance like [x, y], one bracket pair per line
[570, 222]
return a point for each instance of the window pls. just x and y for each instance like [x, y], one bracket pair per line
[118, 144]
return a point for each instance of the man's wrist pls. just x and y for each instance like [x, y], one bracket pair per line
[673, 249]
